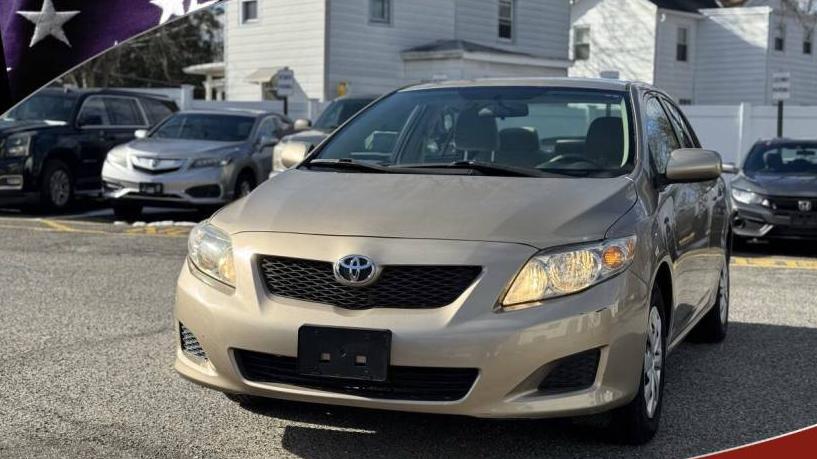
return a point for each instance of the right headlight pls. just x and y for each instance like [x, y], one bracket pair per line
[748, 197]
[277, 164]
[118, 156]
[559, 273]
[211, 252]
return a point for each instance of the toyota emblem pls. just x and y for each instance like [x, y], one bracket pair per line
[355, 271]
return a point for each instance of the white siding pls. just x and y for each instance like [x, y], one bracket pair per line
[622, 38]
[732, 56]
[803, 67]
[671, 75]
[286, 34]
[367, 56]
[541, 27]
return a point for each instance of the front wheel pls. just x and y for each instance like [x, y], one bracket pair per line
[57, 187]
[244, 185]
[637, 422]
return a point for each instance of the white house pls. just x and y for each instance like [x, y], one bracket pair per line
[701, 51]
[336, 47]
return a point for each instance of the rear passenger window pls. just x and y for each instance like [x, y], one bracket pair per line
[156, 111]
[681, 129]
[93, 113]
[660, 134]
[124, 111]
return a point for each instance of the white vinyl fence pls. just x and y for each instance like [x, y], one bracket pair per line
[732, 130]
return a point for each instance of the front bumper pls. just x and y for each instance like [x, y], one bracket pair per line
[513, 351]
[183, 187]
[754, 221]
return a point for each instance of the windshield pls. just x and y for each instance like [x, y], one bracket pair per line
[217, 128]
[782, 159]
[44, 107]
[338, 112]
[540, 129]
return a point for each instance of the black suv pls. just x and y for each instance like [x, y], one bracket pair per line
[53, 145]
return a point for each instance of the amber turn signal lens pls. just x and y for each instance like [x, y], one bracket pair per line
[613, 257]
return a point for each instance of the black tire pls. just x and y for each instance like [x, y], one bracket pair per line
[244, 184]
[713, 326]
[127, 211]
[248, 401]
[56, 186]
[635, 423]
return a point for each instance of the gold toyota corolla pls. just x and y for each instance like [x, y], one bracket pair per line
[499, 248]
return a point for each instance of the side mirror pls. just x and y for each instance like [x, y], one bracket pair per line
[293, 153]
[302, 124]
[693, 165]
[730, 168]
[267, 141]
[140, 133]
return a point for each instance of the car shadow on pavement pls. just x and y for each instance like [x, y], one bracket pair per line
[759, 383]
[766, 248]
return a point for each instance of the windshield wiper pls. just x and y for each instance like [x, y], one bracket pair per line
[348, 165]
[483, 167]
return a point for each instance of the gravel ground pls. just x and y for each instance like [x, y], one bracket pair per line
[87, 346]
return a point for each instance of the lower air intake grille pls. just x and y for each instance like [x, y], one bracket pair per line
[572, 373]
[399, 286]
[189, 344]
[403, 383]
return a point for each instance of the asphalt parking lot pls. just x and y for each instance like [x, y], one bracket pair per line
[87, 346]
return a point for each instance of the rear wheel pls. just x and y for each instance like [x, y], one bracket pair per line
[637, 422]
[712, 328]
[57, 186]
[127, 211]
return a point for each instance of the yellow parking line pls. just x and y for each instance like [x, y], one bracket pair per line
[775, 263]
[58, 226]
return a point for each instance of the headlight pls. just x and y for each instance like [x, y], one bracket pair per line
[211, 252]
[553, 274]
[17, 146]
[118, 156]
[277, 164]
[211, 162]
[748, 197]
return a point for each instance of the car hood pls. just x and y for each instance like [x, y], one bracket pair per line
[12, 127]
[541, 212]
[779, 185]
[311, 136]
[179, 148]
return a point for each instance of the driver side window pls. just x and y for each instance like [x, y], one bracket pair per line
[661, 138]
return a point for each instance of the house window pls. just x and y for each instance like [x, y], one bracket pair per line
[249, 11]
[808, 42]
[682, 46]
[380, 11]
[506, 19]
[581, 43]
[780, 38]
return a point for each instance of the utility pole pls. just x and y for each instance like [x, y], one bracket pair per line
[781, 91]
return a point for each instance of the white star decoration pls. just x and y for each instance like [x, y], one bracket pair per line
[169, 8]
[48, 22]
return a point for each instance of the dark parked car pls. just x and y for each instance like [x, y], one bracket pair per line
[335, 114]
[775, 191]
[53, 145]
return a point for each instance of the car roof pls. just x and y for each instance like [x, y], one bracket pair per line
[578, 83]
[104, 91]
[230, 112]
[783, 141]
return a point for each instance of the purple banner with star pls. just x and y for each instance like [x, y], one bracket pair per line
[42, 39]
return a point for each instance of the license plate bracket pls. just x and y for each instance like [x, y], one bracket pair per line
[151, 188]
[347, 353]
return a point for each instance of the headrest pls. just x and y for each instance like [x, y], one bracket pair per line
[605, 141]
[773, 160]
[476, 133]
[519, 139]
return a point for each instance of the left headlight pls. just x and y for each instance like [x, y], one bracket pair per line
[211, 162]
[558, 273]
[748, 197]
[17, 146]
[211, 252]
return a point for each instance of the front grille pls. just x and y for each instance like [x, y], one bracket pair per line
[572, 373]
[145, 170]
[204, 191]
[791, 204]
[189, 343]
[399, 286]
[403, 383]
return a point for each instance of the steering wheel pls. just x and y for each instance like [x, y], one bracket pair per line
[573, 158]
